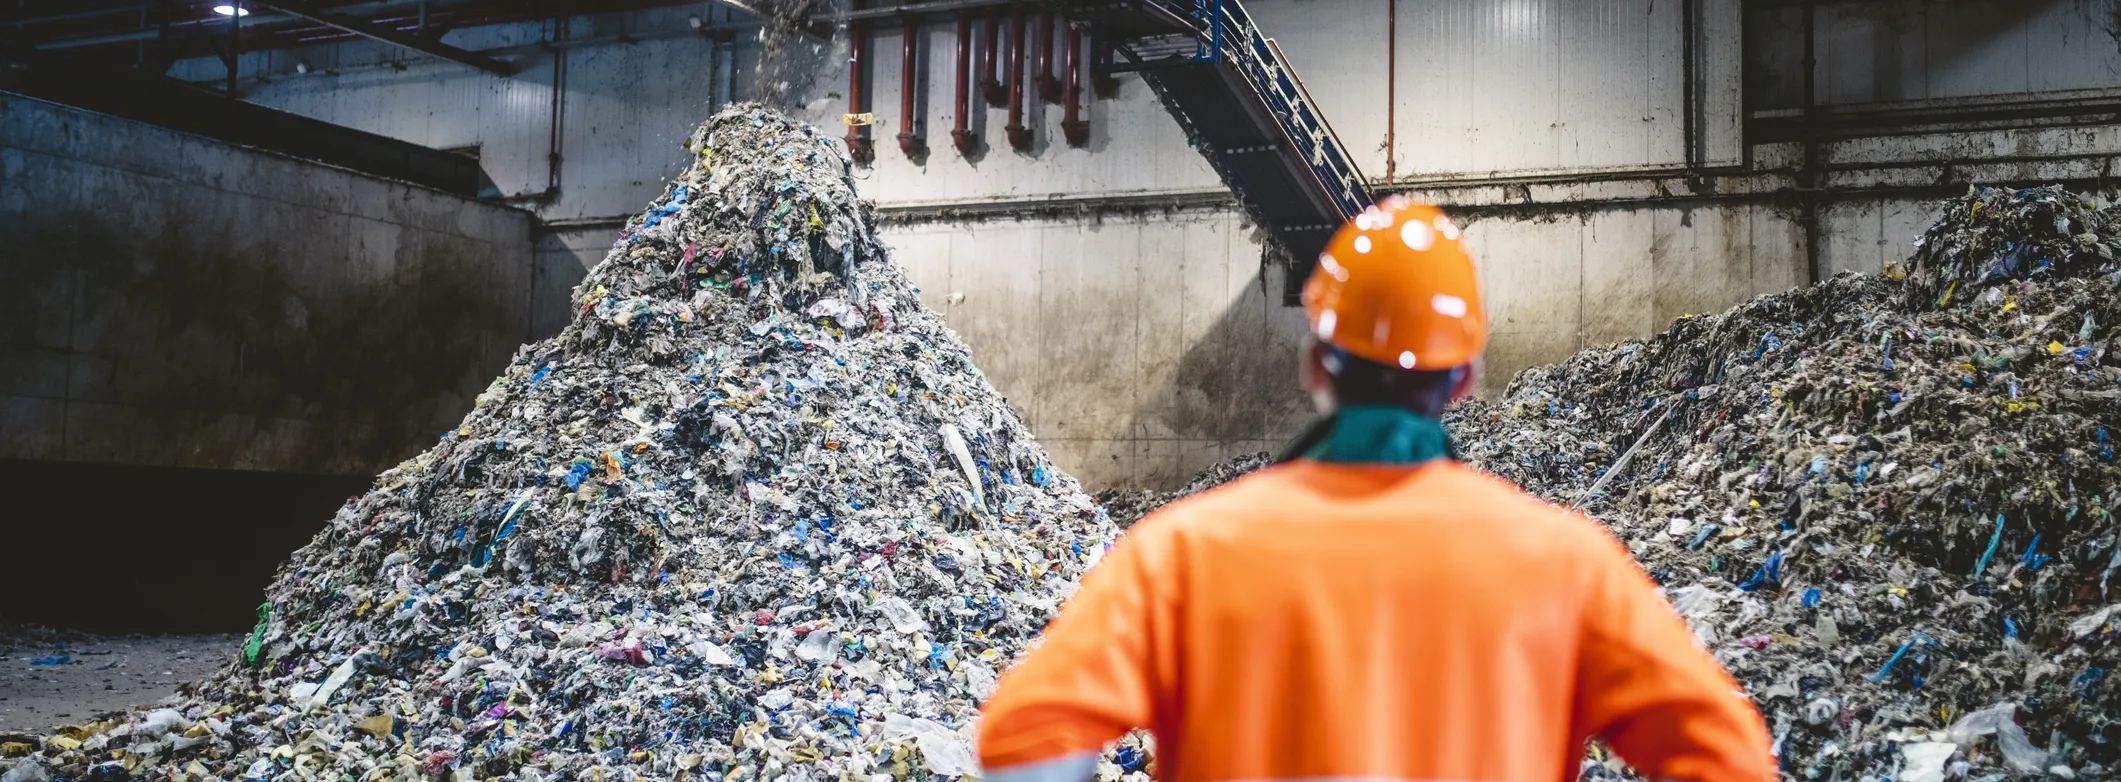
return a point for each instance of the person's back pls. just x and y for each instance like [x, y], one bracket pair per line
[1428, 622]
[1374, 610]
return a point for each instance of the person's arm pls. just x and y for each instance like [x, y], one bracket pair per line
[1648, 690]
[1096, 673]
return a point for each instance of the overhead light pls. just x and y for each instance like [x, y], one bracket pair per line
[230, 10]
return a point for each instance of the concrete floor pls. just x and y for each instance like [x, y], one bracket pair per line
[103, 674]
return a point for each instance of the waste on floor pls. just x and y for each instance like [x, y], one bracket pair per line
[1885, 501]
[754, 514]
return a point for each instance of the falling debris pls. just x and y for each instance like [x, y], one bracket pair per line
[1885, 502]
[754, 514]
[791, 49]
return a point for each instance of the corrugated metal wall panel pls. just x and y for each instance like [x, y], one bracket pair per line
[1720, 50]
[1517, 117]
[1495, 85]
[1604, 118]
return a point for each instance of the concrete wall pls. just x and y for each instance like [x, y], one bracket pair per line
[174, 301]
[1601, 199]
[1140, 349]
[1872, 51]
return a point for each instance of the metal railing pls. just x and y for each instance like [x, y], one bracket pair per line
[1226, 34]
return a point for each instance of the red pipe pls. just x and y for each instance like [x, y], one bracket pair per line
[1074, 128]
[1019, 136]
[858, 141]
[990, 61]
[1049, 88]
[910, 140]
[962, 134]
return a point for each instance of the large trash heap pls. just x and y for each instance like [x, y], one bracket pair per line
[1885, 501]
[754, 514]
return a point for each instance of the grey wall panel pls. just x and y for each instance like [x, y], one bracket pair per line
[1873, 51]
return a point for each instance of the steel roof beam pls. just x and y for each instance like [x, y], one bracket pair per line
[366, 29]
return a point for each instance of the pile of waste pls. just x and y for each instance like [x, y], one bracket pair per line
[753, 515]
[1885, 502]
[1127, 506]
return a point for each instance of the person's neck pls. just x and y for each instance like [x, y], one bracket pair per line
[1382, 434]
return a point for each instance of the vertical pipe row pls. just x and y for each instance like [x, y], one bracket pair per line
[961, 135]
[1049, 88]
[1000, 66]
[1073, 127]
[990, 61]
[1019, 136]
[910, 140]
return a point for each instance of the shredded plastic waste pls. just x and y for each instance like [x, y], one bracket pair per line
[753, 515]
[1127, 506]
[1896, 487]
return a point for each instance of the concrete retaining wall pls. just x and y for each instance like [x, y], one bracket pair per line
[169, 300]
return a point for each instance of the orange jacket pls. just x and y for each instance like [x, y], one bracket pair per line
[1424, 622]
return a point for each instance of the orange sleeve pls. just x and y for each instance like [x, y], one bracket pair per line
[1096, 673]
[1648, 689]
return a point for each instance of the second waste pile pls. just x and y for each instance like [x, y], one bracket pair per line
[1885, 502]
[754, 514]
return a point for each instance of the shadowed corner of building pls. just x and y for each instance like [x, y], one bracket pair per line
[126, 549]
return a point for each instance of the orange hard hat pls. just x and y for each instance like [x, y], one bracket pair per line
[1395, 286]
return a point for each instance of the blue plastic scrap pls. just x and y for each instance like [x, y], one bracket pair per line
[1769, 574]
[677, 201]
[854, 720]
[1811, 597]
[57, 659]
[1995, 540]
[1130, 759]
[577, 475]
[2033, 559]
[2087, 683]
[1887, 669]
[508, 526]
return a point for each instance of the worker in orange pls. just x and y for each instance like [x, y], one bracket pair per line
[1373, 609]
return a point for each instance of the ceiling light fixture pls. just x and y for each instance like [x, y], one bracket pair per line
[230, 10]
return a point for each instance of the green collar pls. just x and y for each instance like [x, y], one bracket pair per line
[1382, 435]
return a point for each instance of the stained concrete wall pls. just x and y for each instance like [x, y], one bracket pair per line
[1140, 349]
[175, 301]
